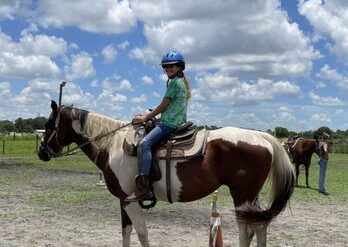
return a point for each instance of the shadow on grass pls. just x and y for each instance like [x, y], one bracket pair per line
[305, 187]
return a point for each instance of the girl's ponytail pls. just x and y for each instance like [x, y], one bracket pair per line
[187, 85]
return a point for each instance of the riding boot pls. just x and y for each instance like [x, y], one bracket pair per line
[142, 191]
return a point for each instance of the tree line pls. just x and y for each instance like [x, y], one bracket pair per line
[21, 125]
[282, 132]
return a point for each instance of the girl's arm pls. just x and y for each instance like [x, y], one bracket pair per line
[159, 109]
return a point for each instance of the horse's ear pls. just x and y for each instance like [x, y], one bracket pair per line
[76, 125]
[54, 106]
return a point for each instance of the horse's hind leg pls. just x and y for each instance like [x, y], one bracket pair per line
[297, 166]
[246, 233]
[136, 215]
[261, 235]
[126, 227]
[307, 173]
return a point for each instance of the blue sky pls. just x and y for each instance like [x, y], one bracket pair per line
[252, 64]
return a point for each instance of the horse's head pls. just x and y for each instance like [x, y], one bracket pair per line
[58, 133]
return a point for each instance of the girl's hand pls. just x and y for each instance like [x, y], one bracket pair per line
[138, 119]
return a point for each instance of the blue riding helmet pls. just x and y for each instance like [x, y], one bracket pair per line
[173, 57]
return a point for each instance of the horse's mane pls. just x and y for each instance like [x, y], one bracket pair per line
[97, 124]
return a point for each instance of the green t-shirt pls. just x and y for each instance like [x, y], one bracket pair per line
[176, 112]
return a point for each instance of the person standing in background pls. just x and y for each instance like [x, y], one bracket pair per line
[323, 161]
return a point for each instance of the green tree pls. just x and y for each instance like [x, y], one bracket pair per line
[319, 132]
[281, 132]
[307, 134]
[22, 126]
[6, 126]
[269, 131]
[38, 123]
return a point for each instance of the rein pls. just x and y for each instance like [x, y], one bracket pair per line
[72, 151]
[92, 140]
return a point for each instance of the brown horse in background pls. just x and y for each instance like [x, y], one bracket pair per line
[301, 153]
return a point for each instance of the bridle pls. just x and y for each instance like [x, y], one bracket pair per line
[54, 134]
[73, 150]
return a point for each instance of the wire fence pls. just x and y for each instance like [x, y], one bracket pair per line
[27, 145]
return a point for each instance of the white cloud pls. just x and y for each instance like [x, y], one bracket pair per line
[108, 98]
[30, 57]
[138, 100]
[329, 74]
[284, 109]
[123, 45]
[109, 53]
[245, 120]
[94, 83]
[5, 95]
[248, 46]
[32, 28]
[329, 19]
[81, 67]
[124, 85]
[201, 114]
[10, 8]
[329, 101]
[321, 118]
[157, 95]
[147, 80]
[320, 85]
[282, 117]
[73, 94]
[110, 85]
[34, 98]
[42, 45]
[223, 88]
[103, 16]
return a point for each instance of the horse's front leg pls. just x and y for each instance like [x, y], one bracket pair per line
[137, 217]
[126, 227]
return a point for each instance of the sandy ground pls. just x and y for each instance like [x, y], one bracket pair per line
[24, 223]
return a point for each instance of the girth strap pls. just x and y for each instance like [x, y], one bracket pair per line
[168, 183]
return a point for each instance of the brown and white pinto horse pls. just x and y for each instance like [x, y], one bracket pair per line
[238, 158]
[301, 152]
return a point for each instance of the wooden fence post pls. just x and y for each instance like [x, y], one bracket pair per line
[37, 142]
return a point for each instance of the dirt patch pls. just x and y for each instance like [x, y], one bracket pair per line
[41, 207]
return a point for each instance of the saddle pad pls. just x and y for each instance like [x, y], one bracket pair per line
[186, 151]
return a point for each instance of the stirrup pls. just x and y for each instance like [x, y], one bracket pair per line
[152, 202]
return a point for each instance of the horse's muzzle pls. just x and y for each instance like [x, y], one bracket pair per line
[43, 153]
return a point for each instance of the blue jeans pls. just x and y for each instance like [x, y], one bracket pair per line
[322, 172]
[160, 133]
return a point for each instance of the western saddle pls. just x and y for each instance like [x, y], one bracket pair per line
[184, 143]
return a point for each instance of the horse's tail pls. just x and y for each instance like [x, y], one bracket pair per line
[282, 176]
